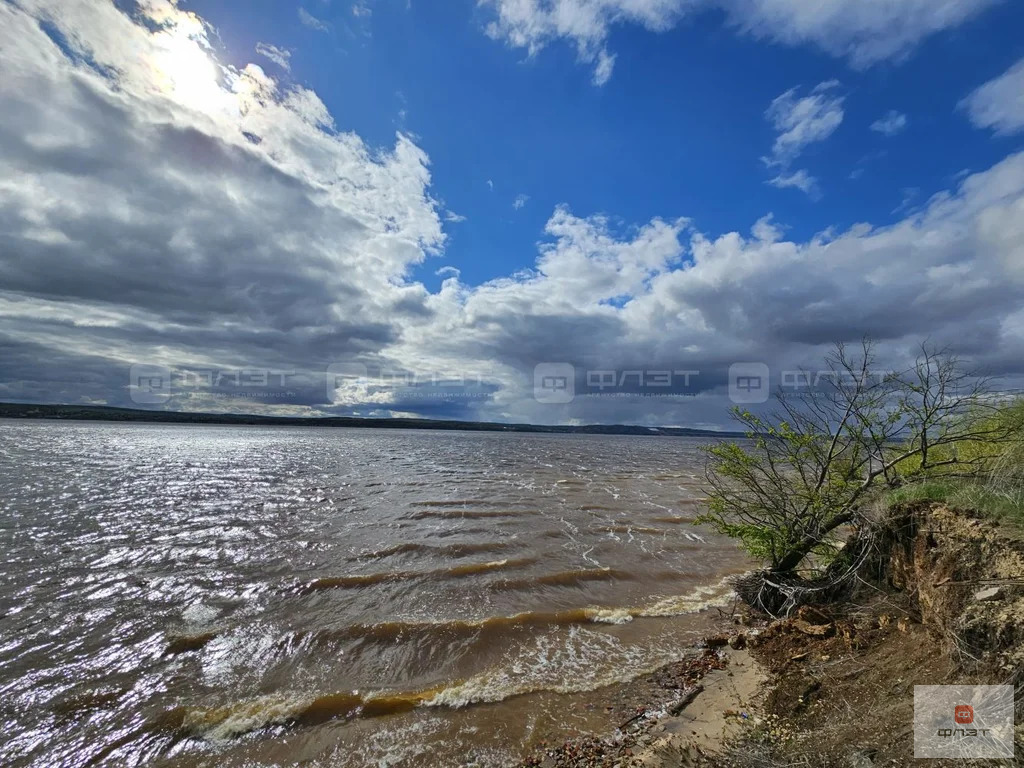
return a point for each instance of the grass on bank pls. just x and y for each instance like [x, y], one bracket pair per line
[815, 467]
[1003, 504]
[989, 477]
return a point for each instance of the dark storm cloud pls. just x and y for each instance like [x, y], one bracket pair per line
[228, 227]
[36, 373]
[135, 228]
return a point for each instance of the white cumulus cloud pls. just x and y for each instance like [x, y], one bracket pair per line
[311, 21]
[999, 103]
[891, 123]
[666, 296]
[803, 121]
[799, 122]
[280, 56]
[186, 210]
[160, 206]
[863, 33]
[799, 179]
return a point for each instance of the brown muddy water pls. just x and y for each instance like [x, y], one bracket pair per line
[221, 596]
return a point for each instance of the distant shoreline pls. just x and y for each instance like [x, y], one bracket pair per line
[109, 413]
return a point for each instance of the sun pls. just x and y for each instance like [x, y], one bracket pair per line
[184, 69]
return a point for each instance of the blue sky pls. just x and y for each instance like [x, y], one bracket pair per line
[678, 130]
[465, 191]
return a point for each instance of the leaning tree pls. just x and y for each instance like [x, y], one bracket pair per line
[796, 492]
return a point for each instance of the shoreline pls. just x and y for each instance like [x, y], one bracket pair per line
[810, 689]
[111, 414]
[697, 702]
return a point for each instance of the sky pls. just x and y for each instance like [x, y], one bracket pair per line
[548, 211]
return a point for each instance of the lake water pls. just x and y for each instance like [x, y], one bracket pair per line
[222, 596]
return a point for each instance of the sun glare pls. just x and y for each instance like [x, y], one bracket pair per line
[186, 72]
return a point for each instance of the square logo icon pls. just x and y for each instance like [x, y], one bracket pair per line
[149, 384]
[342, 380]
[748, 383]
[963, 722]
[963, 714]
[554, 382]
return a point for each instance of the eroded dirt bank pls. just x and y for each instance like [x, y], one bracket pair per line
[832, 685]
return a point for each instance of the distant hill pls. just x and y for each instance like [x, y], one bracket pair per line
[107, 413]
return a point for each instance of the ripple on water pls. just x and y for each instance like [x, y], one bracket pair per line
[177, 587]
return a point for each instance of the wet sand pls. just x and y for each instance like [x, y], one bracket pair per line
[685, 709]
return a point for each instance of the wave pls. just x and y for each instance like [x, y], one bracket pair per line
[698, 599]
[369, 579]
[631, 529]
[185, 642]
[452, 503]
[469, 514]
[350, 582]
[472, 569]
[552, 666]
[566, 578]
[478, 548]
[290, 710]
[397, 549]
[572, 666]
[674, 519]
[439, 631]
[433, 632]
[390, 631]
